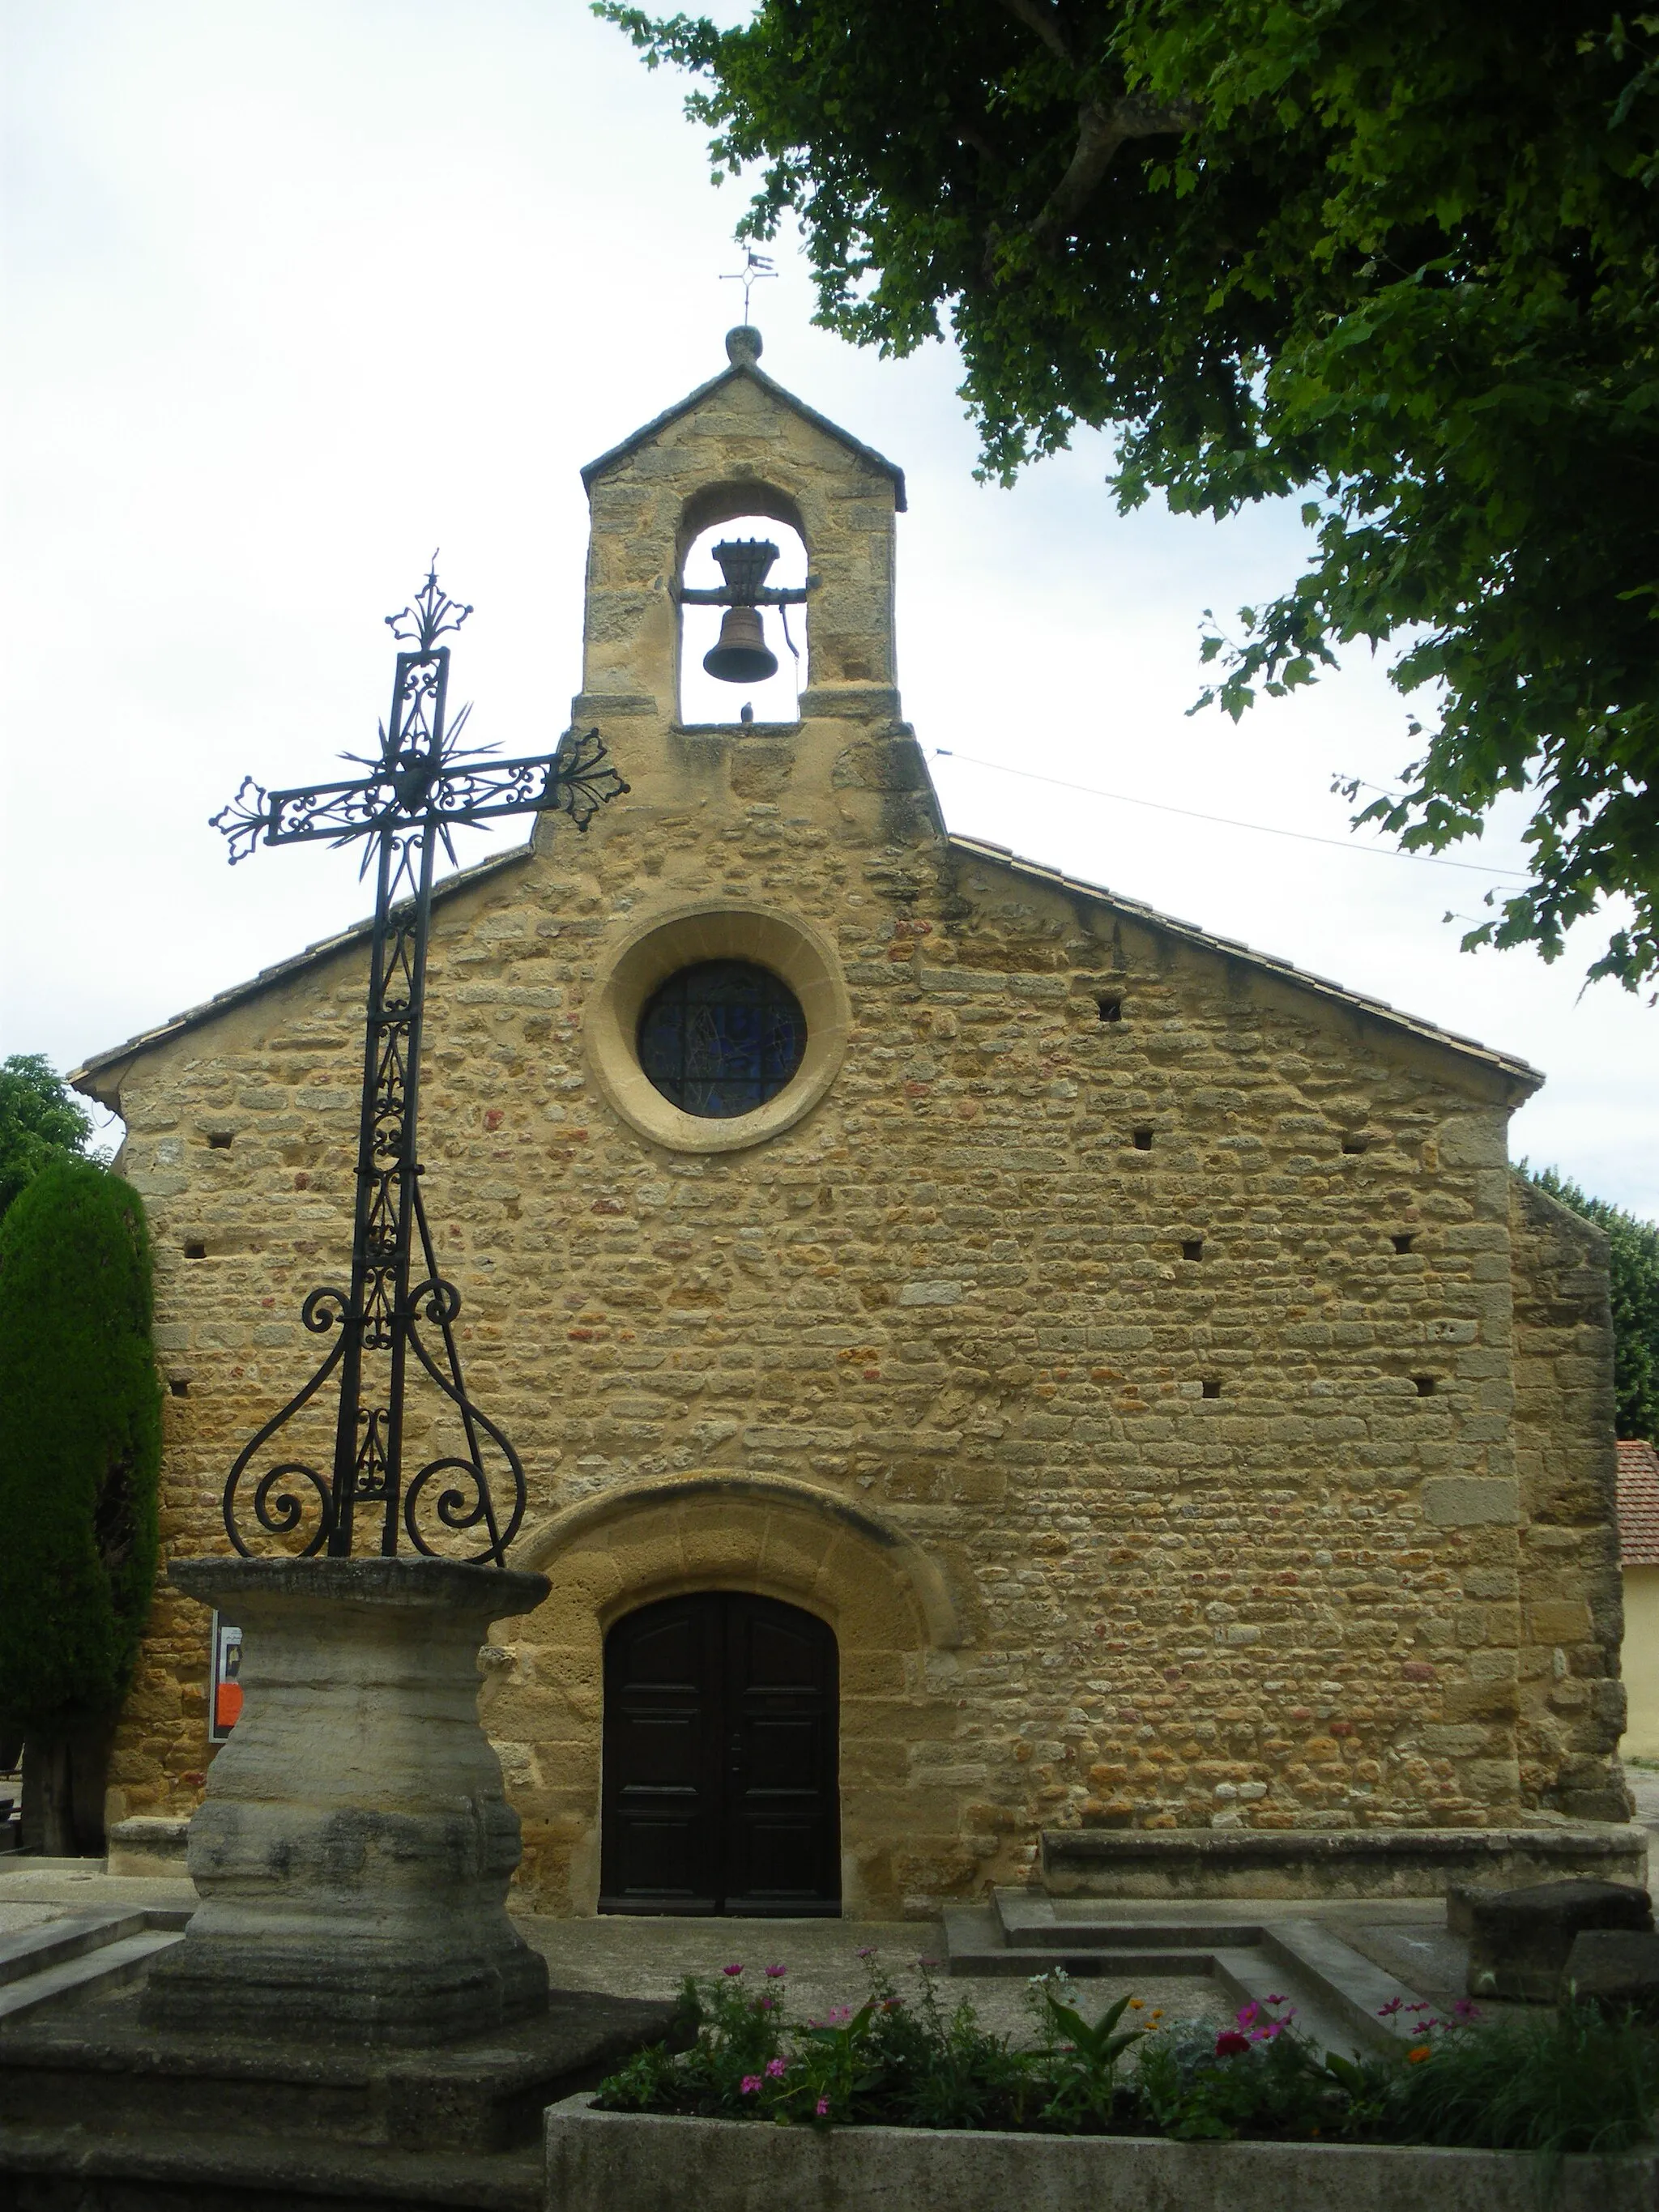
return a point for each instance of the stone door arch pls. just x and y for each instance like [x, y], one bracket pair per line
[908, 1794]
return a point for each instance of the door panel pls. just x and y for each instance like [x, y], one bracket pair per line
[719, 1791]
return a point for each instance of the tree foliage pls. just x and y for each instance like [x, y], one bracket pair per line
[41, 1121]
[80, 1447]
[1399, 257]
[1633, 1265]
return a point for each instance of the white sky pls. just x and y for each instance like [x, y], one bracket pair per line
[297, 289]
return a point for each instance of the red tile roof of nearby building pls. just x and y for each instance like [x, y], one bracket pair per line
[1639, 1504]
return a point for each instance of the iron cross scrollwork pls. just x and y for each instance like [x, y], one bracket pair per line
[417, 788]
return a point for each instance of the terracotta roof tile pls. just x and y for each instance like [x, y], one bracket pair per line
[1639, 1504]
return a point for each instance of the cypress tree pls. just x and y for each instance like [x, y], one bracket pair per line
[80, 1453]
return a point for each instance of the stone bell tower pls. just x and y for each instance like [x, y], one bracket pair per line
[742, 445]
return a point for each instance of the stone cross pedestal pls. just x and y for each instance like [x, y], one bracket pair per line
[354, 1849]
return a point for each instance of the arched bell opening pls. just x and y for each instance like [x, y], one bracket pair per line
[720, 1790]
[746, 660]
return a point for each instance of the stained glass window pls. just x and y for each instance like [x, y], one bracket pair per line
[721, 1038]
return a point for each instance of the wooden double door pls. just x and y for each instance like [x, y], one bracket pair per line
[719, 1792]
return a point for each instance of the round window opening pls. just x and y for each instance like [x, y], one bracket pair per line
[721, 1038]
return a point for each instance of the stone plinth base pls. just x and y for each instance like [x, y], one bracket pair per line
[97, 2064]
[1263, 1863]
[355, 1847]
[101, 2113]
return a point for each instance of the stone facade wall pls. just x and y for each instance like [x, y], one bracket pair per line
[1570, 1702]
[1118, 1356]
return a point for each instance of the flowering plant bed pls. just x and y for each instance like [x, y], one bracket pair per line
[1569, 2082]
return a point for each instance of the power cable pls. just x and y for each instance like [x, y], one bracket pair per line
[1226, 821]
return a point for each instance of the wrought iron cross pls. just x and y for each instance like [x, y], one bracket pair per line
[416, 789]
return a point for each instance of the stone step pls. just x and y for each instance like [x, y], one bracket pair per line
[150, 2167]
[1338, 1993]
[30, 1949]
[110, 1962]
[1115, 1934]
[1344, 1983]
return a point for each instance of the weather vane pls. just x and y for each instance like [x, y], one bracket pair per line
[757, 268]
[419, 786]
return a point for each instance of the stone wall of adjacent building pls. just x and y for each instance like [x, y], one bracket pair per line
[1571, 1701]
[1120, 1356]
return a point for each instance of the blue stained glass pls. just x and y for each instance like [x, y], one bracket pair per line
[721, 1038]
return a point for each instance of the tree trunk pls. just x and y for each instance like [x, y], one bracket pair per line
[64, 1779]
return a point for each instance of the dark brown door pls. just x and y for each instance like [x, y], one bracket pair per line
[720, 1790]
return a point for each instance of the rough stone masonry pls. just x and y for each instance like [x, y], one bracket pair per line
[1138, 1351]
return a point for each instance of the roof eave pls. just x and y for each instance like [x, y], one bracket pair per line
[1515, 1070]
[643, 436]
[118, 1058]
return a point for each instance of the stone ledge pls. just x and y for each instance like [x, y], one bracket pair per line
[423, 1584]
[598, 2161]
[148, 1846]
[66, 2170]
[1200, 1862]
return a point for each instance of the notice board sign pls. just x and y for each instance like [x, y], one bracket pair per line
[226, 1689]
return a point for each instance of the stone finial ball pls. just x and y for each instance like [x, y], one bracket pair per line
[743, 345]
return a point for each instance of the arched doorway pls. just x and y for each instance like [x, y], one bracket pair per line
[719, 1787]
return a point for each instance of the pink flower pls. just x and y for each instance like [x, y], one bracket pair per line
[749, 2084]
[864, 1951]
[731, 1970]
[765, 2004]
[1230, 2044]
[775, 2066]
[1463, 2012]
[772, 1972]
[836, 2014]
[823, 2108]
[1387, 2011]
[1246, 2014]
[1277, 1999]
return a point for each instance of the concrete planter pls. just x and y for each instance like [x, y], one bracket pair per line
[597, 2161]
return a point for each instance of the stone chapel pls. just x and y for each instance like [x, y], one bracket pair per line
[1073, 1372]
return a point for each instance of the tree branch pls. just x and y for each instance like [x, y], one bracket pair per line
[1102, 128]
[1041, 16]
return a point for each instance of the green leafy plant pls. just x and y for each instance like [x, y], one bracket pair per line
[1398, 260]
[1566, 2082]
[41, 1121]
[80, 1450]
[1571, 2080]
[1080, 2073]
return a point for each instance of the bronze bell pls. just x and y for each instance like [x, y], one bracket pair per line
[742, 654]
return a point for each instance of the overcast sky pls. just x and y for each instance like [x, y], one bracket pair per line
[297, 289]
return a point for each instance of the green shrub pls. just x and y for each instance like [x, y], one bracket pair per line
[80, 1449]
[1551, 2084]
[1557, 2082]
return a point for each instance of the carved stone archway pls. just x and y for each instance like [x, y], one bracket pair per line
[895, 1619]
